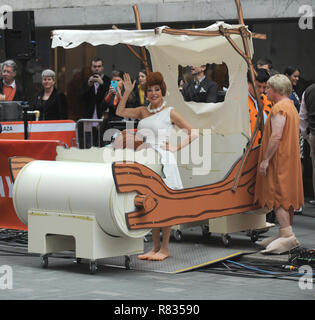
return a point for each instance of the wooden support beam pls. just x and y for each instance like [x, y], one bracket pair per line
[259, 36]
[143, 52]
[239, 11]
[130, 47]
[204, 33]
[259, 122]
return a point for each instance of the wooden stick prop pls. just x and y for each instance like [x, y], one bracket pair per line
[250, 66]
[259, 123]
[159, 206]
[199, 33]
[225, 34]
[138, 24]
[204, 33]
[131, 48]
[259, 36]
[240, 12]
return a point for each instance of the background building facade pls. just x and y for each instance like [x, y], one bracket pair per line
[290, 40]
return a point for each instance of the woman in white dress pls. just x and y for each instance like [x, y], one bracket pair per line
[156, 122]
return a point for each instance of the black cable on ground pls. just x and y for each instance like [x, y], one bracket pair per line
[261, 270]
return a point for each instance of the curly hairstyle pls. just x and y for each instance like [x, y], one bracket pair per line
[155, 78]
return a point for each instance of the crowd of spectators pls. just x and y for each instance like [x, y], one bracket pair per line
[101, 94]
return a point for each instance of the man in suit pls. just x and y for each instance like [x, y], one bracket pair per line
[93, 93]
[10, 89]
[200, 89]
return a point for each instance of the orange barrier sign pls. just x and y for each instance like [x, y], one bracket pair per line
[62, 130]
[37, 149]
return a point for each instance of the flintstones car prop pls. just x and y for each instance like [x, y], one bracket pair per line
[102, 202]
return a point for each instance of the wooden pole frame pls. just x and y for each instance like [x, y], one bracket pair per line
[143, 57]
[204, 33]
[143, 52]
[246, 55]
[259, 122]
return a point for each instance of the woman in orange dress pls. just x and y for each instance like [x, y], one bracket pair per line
[279, 184]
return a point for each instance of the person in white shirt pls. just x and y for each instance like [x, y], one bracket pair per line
[93, 93]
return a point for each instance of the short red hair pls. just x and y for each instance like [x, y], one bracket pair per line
[155, 78]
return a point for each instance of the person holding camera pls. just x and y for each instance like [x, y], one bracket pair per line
[114, 94]
[93, 92]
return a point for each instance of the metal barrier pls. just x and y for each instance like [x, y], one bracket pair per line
[85, 137]
[100, 134]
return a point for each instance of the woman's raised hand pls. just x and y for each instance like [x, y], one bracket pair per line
[128, 84]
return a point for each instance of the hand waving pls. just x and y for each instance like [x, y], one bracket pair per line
[129, 86]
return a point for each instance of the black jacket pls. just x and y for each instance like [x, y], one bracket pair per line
[112, 107]
[90, 99]
[55, 108]
[207, 91]
[309, 98]
[19, 94]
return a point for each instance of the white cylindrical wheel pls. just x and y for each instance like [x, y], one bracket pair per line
[85, 188]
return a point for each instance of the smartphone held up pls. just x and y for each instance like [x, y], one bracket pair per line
[113, 84]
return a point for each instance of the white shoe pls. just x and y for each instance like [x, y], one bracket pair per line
[282, 245]
[264, 243]
[299, 211]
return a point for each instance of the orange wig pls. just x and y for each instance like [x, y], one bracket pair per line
[155, 78]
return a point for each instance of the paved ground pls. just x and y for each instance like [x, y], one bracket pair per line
[65, 280]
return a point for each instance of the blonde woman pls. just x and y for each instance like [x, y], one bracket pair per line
[279, 184]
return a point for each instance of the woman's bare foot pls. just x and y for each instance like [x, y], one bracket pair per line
[147, 255]
[159, 256]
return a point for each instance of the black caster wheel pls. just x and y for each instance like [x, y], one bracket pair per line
[93, 267]
[205, 231]
[271, 217]
[178, 236]
[44, 261]
[127, 262]
[254, 236]
[78, 260]
[226, 239]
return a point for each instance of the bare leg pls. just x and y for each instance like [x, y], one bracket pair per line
[283, 217]
[164, 252]
[264, 243]
[291, 214]
[156, 245]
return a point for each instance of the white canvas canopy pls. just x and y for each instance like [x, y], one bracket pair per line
[167, 52]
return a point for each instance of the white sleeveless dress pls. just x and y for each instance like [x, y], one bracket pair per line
[157, 130]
